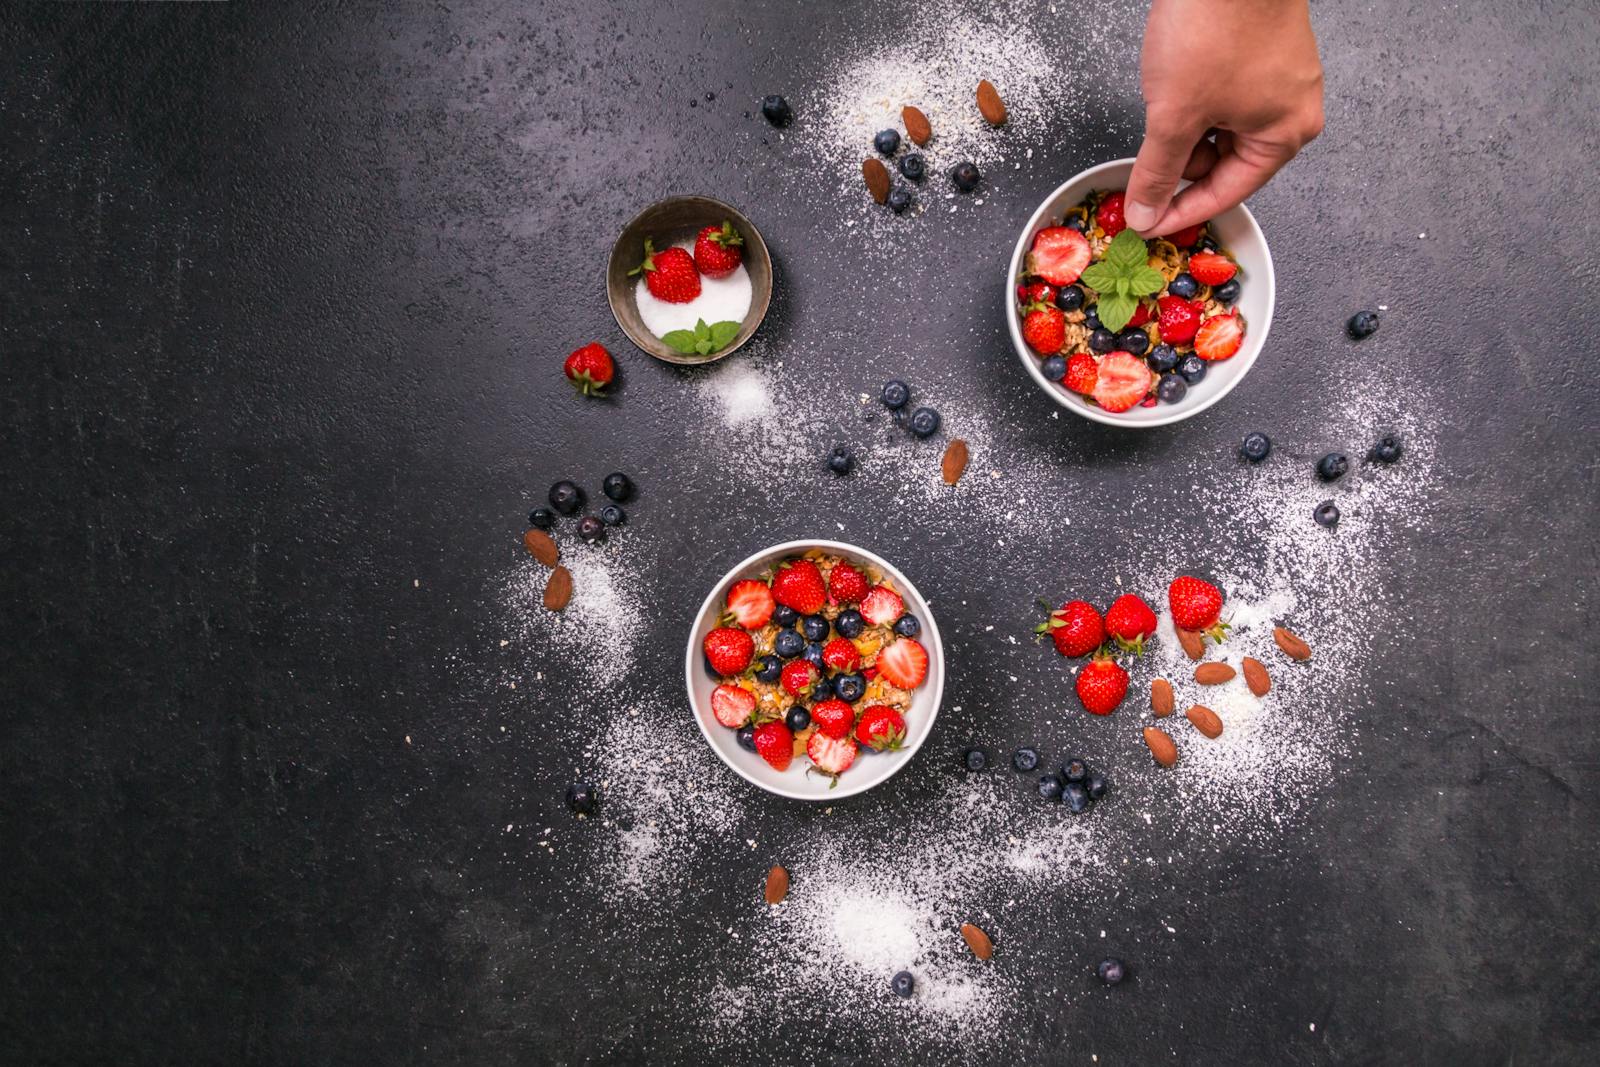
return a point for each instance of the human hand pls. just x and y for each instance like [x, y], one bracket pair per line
[1257, 85]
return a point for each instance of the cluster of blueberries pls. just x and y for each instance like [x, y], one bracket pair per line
[1077, 785]
[924, 422]
[1330, 468]
[567, 498]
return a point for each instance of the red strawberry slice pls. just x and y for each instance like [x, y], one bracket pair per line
[1123, 381]
[831, 755]
[1186, 238]
[732, 705]
[904, 664]
[882, 728]
[1082, 373]
[775, 744]
[1209, 268]
[841, 655]
[881, 606]
[750, 603]
[798, 677]
[1059, 255]
[1220, 336]
[846, 584]
[1110, 214]
[798, 585]
[833, 717]
[728, 650]
[1141, 314]
[1180, 319]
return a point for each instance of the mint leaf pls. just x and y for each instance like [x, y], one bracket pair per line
[1099, 276]
[1116, 310]
[1127, 250]
[682, 340]
[702, 332]
[1146, 280]
[724, 332]
[704, 347]
[1124, 286]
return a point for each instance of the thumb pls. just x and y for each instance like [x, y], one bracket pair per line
[1162, 158]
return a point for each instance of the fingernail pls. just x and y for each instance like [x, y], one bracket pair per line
[1139, 216]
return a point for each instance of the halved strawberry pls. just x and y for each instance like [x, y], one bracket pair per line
[775, 744]
[1180, 318]
[841, 654]
[1109, 215]
[798, 677]
[732, 705]
[1186, 238]
[1059, 255]
[1220, 336]
[1209, 268]
[833, 717]
[1082, 373]
[882, 728]
[904, 664]
[1045, 330]
[881, 606]
[798, 585]
[750, 603]
[846, 585]
[832, 755]
[1122, 382]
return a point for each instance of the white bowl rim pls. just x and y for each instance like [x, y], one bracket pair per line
[1180, 411]
[930, 629]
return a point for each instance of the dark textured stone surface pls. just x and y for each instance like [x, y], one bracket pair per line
[283, 298]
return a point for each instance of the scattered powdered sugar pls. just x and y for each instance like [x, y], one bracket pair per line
[600, 626]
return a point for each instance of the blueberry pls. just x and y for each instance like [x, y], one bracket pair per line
[814, 627]
[1207, 243]
[965, 176]
[613, 515]
[1075, 797]
[813, 653]
[1184, 285]
[1326, 514]
[617, 486]
[798, 718]
[711, 672]
[1227, 292]
[1069, 298]
[850, 623]
[1162, 358]
[1111, 970]
[1102, 340]
[903, 984]
[975, 759]
[1362, 324]
[1076, 222]
[841, 460]
[788, 644]
[1192, 368]
[850, 687]
[1332, 467]
[543, 518]
[895, 394]
[1025, 759]
[776, 110]
[1091, 317]
[1054, 369]
[925, 422]
[907, 626]
[746, 737]
[566, 498]
[1050, 787]
[1171, 389]
[771, 667]
[899, 201]
[913, 167]
[591, 529]
[1074, 770]
[1387, 450]
[1255, 447]
[784, 616]
[1096, 785]
[1133, 340]
[583, 798]
[887, 141]
[822, 690]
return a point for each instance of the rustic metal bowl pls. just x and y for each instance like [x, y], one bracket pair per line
[667, 222]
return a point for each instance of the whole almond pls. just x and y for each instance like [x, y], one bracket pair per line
[1291, 644]
[1205, 720]
[877, 177]
[917, 126]
[558, 590]
[1213, 673]
[1161, 701]
[777, 885]
[977, 941]
[1194, 646]
[955, 461]
[1255, 676]
[541, 546]
[994, 111]
[1161, 746]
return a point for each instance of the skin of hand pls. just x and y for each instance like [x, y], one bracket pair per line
[1245, 71]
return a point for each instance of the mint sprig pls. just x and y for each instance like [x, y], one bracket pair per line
[702, 340]
[1121, 276]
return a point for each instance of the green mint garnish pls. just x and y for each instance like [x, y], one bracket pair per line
[1121, 277]
[702, 340]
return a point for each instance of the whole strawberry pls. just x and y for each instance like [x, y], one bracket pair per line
[716, 250]
[833, 717]
[1129, 620]
[1075, 627]
[1101, 686]
[729, 650]
[846, 585]
[590, 369]
[798, 585]
[1109, 215]
[670, 274]
[1180, 319]
[1045, 329]
[841, 654]
[775, 744]
[882, 728]
[798, 676]
[1083, 373]
[1195, 606]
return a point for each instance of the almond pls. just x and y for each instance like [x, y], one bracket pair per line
[1291, 644]
[994, 111]
[977, 941]
[1161, 701]
[558, 590]
[1161, 746]
[1194, 646]
[1205, 720]
[917, 126]
[1213, 673]
[777, 885]
[877, 176]
[955, 461]
[542, 547]
[1255, 676]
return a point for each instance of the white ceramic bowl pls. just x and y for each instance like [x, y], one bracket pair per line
[870, 768]
[1238, 233]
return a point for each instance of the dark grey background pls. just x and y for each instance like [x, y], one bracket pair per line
[269, 350]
